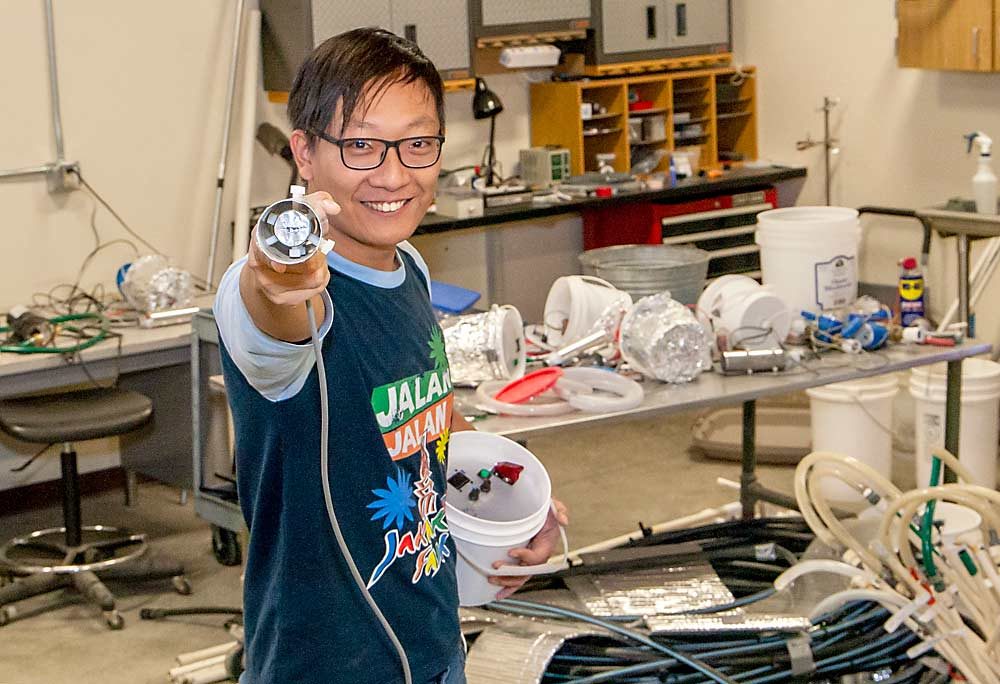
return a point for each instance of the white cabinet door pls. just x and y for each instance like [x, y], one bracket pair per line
[330, 17]
[633, 25]
[439, 27]
[697, 22]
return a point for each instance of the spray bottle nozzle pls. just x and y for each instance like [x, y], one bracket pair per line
[979, 138]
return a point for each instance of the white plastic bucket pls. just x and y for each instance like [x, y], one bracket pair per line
[485, 346]
[979, 430]
[506, 518]
[744, 309]
[854, 418]
[809, 255]
[575, 303]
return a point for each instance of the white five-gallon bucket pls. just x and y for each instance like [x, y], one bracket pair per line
[745, 310]
[980, 425]
[575, 303]
[809, 255]
[505, 518]
[855, 419]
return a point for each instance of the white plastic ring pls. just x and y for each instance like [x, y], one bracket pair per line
[577, 387]
[486, 390]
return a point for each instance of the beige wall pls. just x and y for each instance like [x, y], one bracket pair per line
[900, 130]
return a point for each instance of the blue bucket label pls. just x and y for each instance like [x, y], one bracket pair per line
[836, 282]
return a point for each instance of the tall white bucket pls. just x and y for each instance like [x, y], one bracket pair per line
[855, 419]
[979, 430]
[575, 303]
[505, 518]
[809, 255]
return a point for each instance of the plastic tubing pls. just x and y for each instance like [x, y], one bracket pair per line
[578, 384]
[889, 599]
[486, 390]
[817, 565]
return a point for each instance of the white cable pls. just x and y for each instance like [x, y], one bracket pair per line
[324, 458]
[818, 565]
[577, 385]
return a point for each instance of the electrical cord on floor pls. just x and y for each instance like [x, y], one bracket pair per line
[325, 475]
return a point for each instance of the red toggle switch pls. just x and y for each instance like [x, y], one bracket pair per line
[507, 471]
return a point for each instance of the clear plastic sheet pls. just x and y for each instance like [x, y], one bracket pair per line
[151, 284]
[662, 339]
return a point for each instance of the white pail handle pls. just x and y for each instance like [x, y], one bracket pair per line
[523, 570]
[597, 281]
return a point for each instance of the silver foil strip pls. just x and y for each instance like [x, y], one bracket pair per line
[518, 650]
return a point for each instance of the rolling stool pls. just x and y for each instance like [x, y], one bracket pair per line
[78, 555]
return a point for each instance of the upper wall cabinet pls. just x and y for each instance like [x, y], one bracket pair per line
[519, 17]
[292, 28]
[955, 35]
[634, 30]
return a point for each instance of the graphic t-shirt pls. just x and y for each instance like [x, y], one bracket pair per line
[390, 398]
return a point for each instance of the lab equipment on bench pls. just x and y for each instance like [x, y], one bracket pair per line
[485, 346]
[544, 166]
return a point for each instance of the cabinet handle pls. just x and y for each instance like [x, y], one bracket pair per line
[410, 32]
[975, 45]
[650, 21]
[682, 19]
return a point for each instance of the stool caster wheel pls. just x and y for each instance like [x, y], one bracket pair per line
[7, 615]
[114, 619]
[226, 546]
[181, 585]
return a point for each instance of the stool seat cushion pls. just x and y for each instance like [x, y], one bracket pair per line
[74, 416]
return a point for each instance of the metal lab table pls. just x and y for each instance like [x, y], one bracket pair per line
[154, 362]
[714, 390]
[709, 390]
[965, 226]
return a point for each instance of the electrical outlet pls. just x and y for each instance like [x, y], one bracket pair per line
[63, 177]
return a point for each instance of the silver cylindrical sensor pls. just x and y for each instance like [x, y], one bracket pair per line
[290, 231]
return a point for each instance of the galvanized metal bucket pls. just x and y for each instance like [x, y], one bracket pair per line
[643, 270]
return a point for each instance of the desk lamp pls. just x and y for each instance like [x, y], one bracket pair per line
[486, 104]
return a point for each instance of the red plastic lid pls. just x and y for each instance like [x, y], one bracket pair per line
[910, 263]
[530, 386]
[604, 192]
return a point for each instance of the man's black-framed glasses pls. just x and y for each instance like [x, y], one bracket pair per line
[364, 154]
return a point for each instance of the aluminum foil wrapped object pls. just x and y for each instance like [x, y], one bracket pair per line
[485, 346]
[662, 339]
[151, 284]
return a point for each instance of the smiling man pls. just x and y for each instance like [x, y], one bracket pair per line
[367, 109]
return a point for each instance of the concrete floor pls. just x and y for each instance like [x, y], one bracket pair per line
[611, 478]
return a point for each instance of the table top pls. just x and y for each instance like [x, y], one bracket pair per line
[735, 180]
[714, 389]
[961, 222]
[135, 341]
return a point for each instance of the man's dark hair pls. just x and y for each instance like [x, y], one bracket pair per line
[341, 67]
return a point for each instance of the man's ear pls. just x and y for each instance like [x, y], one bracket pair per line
[303, 153]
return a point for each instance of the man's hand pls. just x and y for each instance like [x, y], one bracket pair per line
[287, 285]
[274, 293]
[538, 550]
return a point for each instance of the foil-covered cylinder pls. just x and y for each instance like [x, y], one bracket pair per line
[485, 346]
[662, 339]
[151, 284]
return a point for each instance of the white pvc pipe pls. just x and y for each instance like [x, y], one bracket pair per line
[248, 126]
[728, 511]
[982, 271]
[209, 675]
[204, 654]
[181, 670]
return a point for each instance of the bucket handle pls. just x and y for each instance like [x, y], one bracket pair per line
[523, 570]
[597, 281]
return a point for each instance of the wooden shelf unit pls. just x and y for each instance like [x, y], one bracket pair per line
[556, 120]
